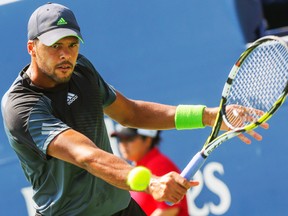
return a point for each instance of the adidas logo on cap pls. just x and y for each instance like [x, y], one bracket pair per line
[62, 21]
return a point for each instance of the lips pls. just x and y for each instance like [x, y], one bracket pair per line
[64, 66]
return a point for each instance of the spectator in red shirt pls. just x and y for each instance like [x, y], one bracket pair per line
[141, 148]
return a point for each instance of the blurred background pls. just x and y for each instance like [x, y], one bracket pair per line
[172, 52]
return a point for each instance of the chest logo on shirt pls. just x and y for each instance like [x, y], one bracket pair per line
[71, 98]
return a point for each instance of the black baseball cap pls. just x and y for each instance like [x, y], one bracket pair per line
[52, 22]
[125, 132]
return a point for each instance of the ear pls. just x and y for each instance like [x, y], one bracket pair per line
[147, 142]
[31, 47]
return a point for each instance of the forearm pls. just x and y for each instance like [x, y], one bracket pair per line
[108, 167]
[75, 148]
[153, 116]
[150, 115]
[163, 116]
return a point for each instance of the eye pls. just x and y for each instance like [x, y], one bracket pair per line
[55, 46]
[74, 45]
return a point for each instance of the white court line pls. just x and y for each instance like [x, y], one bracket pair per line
[4, 2]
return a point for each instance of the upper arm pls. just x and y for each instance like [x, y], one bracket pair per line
[141, 114]
[121, 110]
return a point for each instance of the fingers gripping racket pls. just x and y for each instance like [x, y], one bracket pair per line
[256, 87]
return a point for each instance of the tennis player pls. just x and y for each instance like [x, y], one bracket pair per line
[53, 117]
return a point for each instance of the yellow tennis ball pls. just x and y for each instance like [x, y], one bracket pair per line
[139, 178]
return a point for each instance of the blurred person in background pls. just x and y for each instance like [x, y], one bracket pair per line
[141, 148]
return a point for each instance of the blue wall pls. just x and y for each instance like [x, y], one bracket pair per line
[173, 52]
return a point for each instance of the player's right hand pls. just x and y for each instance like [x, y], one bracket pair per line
[170, 187]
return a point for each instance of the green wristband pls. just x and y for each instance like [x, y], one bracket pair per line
[189, 117]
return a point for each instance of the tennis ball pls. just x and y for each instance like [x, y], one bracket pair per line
[139, 178]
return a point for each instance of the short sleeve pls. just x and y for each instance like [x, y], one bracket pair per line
[43, 126]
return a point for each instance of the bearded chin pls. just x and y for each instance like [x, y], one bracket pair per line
[61, 80]
[64, 78]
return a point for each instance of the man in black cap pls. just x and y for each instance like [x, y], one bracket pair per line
[53, 117]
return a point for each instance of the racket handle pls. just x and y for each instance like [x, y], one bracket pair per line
[192, 167]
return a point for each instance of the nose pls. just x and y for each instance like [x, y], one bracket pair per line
[65, 54]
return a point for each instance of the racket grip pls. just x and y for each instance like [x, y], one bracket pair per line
[192, 167]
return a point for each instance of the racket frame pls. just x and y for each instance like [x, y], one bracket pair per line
[213, 141]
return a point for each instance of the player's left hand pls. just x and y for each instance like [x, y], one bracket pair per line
[242, 115]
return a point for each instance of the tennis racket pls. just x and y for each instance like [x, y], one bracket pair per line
[256, 87]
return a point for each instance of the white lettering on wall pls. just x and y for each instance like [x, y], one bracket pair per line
[216, 186]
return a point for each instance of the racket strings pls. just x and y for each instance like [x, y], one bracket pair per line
[259, 82]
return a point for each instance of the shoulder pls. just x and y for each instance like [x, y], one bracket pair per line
[82, 61]
[18, 97]
[85, 68]
[17, 104]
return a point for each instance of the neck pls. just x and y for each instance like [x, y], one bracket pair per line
[37, 78]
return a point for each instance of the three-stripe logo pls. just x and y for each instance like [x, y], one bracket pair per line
[71, 98]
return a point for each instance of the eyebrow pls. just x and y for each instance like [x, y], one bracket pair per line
[71, 42]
